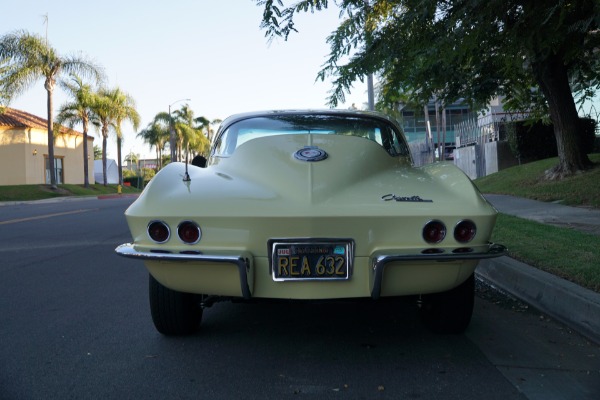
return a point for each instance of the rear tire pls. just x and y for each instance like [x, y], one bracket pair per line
[449, 312]
[173, 312]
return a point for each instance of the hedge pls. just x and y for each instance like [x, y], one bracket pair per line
[530, 142]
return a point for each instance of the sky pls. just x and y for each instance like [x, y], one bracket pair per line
[211, 52]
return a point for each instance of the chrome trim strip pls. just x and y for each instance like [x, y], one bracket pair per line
[379, 260]
[240, 259]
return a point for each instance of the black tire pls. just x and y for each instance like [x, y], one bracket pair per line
[173, 312]
[449, 312]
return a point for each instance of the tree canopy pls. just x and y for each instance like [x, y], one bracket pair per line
[542, 56]
[78, 111]
[189, 138]
[156, 134]
[124, 110]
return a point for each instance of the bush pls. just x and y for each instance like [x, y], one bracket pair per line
[148, 173]
[530, 142]
[135, 181]
[127, 173]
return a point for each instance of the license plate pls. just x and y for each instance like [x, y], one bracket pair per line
[311, 260]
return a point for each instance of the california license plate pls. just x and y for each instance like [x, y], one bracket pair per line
[322, 259]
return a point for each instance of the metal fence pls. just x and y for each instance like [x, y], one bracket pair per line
[422, 152]
[484, 128]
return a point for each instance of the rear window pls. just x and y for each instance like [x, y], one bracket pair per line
[372, 129]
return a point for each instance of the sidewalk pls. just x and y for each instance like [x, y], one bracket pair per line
[583, 219]
[564, 301]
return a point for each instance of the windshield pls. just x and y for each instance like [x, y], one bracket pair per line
[379, 131]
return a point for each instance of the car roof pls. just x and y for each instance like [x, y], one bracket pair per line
[337, 112]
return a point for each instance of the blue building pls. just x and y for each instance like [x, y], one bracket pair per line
[415, 125]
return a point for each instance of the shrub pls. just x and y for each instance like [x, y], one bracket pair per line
[127, 173]
[536, 141]
[135, 181]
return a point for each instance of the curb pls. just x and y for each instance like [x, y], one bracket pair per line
[117, 196]
[63, 199]
[59, 199]
[564, 301]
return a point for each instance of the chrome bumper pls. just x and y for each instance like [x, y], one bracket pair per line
[381, 258]
[240, 260]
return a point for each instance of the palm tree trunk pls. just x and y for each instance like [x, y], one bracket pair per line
[160, 156]
[86, 180]
[119, 141]
[49, 88]
[104, 137]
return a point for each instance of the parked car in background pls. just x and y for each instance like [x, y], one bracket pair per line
[310, 205]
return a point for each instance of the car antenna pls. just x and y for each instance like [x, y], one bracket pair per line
[186, 176]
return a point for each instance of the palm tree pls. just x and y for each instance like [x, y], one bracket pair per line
[104, 116]
[111, 108]
[4, 95]
[210, 131]
[164, 119]
[97, 152]
[187, 129]
[133, 158]
[27, 58]
[78, 111]
[188, 133]
[156, 134]
[125, 110]
[202, 142]
[182, 122]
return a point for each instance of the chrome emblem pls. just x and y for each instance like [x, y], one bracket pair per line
[310, 153]
[410, 199]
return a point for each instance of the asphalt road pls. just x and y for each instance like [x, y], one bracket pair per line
[75, 324]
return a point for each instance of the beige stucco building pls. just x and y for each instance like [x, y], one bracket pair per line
[24, 151]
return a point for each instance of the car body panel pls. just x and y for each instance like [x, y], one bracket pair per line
[262, 192]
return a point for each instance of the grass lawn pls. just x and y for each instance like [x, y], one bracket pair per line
[528, 181]
[564, 252]
[39, 192]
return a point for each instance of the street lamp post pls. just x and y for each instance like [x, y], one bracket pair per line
[172, 142]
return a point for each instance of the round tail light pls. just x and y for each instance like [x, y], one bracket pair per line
[158, 231]
[465, 231]
[434, 232]
[189, 232]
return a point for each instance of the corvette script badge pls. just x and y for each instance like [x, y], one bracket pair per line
[412, 199]
[310, 153]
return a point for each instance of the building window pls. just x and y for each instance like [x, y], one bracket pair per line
[58, 170]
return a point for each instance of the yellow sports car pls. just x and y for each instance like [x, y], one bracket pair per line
[310, 205]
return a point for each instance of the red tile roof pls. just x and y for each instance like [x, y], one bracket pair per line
[21, 119]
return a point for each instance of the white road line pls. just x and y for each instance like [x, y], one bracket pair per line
[15, 221]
